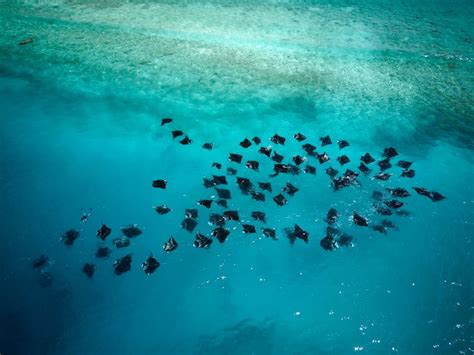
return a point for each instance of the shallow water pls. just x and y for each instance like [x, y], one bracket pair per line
[80, 128]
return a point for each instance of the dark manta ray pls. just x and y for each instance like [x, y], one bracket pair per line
[166, 120]
[103, 252]
[332, 215]
[325, 141]
[176, 133]
[345, 240]
[332, 172]
[222, 203]
[248, 229]
[393, 204]
[45, 279]
[159, 184]
[244, 184]
[265, 186]
[216, 219]
[104, 232]
[89, 269]
[382, 176]
[170, 245]
[121, 242]
[208, 146]
[256, 140]
[163, 209]
[298, 159]
[364, 168]
[359, 220]
[277, 139]
[223, 193]
[380, 229]
[390, 152]
[265, 151]
[41, 262]
[309, 169]
[277, 157]
[202, 241]
[236, 158]
[205, 203]
[189, 224]
[252, 165]
[343, 159]
[323, 158]
[384, 164]
[221, 234]
[259, 216]
[257, 196]
[299, 137]
[185, 141]
[398, 192]
[70, 236]
[150, 265]
[123, 264]
[404, 164]
[297, 232]
[231, 215]
[408, 173]
[131, 231]
[231, 171]
[191, 213]
[290, 189]
[367, 158]
[308, 148]
[219, 179]
[377, 195]
[280, 200]
[328, 243]
[342, 144]
[269, 233]
[245, 143]
[433, 196]
[383, 211]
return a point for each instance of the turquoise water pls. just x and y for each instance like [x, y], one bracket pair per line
[81, 108]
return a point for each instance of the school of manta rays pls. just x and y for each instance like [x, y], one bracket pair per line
[334, 238]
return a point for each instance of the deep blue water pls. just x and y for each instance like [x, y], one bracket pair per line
[67, 146]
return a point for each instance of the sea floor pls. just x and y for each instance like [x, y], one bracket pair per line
[80, 114]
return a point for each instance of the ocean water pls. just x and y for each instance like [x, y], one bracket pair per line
[80, 113]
